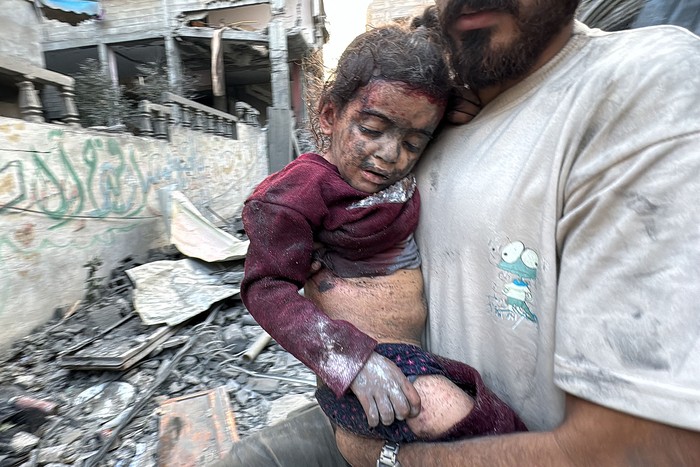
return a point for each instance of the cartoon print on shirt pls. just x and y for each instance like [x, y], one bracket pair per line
[520, 264]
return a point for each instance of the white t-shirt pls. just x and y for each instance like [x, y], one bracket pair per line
[560, 232]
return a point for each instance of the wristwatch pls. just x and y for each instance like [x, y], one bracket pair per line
[388, 456]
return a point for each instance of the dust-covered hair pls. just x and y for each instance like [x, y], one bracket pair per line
[412, 56]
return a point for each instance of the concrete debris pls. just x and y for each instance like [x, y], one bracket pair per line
[171, 292]
[73, 435]
[105, 352]
[45, 407]
[106, 400]
[23, 442]
[196, 237]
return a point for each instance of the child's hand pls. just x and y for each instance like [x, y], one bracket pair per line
[463, 106]
[385, 392]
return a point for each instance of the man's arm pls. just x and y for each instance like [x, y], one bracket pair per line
[590, 435]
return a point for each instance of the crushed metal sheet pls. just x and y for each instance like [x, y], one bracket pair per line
[106, 352]
[197, 429]
[172, 292]
[196, 237]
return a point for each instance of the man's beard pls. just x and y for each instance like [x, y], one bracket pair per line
[479, 64]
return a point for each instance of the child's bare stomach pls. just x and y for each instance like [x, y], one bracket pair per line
[388, 308]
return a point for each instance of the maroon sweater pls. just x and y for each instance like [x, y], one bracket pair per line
[305, 203]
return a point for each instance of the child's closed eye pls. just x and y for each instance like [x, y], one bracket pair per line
[369, 131]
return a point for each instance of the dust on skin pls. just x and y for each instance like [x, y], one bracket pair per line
[379, 135]
[376, 140]
[333, 359]
[388, 308]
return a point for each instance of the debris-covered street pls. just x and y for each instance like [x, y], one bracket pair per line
[95, 386]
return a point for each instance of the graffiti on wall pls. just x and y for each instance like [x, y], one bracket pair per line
[71, 181]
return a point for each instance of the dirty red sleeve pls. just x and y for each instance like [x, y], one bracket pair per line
[276, 267]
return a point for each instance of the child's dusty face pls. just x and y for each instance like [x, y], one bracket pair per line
[379, 136]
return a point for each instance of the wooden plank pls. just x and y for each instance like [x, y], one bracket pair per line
[197, 429]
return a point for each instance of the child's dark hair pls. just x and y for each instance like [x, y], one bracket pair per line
[414, 57]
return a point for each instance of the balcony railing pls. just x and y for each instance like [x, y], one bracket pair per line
[155, 119]
[27, 76]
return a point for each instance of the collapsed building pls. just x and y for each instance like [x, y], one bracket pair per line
[70, 194]
[84, 379]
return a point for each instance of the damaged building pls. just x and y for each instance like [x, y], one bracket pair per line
[97, 217]
[239, 52]
[72, 195]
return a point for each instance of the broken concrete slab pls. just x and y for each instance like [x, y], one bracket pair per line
[35, 362]
[196, 237]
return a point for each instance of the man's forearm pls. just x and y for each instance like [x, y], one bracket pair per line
[591, 435]
[495, 451]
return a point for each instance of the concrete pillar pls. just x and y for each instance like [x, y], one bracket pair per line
[108, 61]
[172, 51]
[70, 111]
[279, 115]
[29, 102]
[174, 62]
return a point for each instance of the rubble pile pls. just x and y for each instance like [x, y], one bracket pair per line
[91, 386]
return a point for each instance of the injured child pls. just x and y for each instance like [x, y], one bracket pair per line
[340, 225]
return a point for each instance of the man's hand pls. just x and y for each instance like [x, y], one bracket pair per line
[463, 106]
[384, 392]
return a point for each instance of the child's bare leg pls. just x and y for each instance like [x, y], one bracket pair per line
[443, 404]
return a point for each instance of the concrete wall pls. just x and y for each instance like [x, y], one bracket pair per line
[257, 17]
[136, 20]
[386, 11]
[70, 195]
[20, 32]
[132, 20]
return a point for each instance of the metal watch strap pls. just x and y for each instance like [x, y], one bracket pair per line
[388, 455]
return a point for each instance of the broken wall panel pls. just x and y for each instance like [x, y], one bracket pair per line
[197, 429]
[109, 351]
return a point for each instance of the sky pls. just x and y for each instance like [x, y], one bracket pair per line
[345, 19]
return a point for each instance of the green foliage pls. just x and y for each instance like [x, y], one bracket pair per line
[153, 81]
[99, 103]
